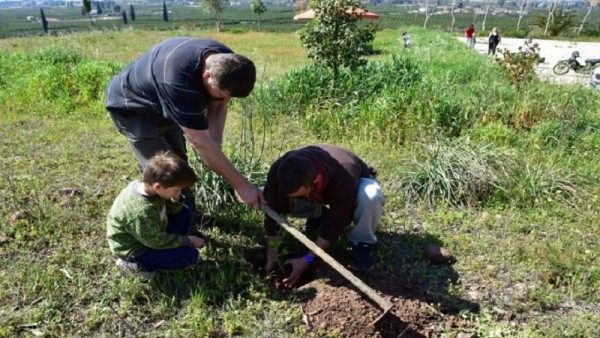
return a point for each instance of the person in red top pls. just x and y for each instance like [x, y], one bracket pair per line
[331, 187]
[470, 36]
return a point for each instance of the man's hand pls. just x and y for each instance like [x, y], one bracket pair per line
[299, 265]
[197, 242]
[251, 195]
[216, 161]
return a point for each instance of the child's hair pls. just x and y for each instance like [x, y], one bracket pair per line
[169, 170]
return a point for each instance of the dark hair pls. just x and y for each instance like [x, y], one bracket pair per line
[232, 72]
[169, 170]
[295, 172]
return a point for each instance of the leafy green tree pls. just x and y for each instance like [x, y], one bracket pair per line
[216, 7]
[165, 13]
[258, 7]
[558, 22]
[124, 15]
[44, 21]
[131, 12]
[334, 39]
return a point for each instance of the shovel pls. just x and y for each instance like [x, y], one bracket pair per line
[385, 305]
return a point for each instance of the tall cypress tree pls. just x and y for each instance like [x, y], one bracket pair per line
[86, 9]
[44, 21]
[87, 6]
[98, 8]
[124, 14]
[165, 14]
[131, 12]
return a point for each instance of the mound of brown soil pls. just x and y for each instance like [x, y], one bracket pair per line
[332, 305]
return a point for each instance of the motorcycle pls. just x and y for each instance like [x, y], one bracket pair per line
[576, 64]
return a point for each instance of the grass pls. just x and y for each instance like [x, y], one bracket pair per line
[526, 160]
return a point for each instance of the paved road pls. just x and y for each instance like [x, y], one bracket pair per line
[553, 51]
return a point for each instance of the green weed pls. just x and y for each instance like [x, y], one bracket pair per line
[456, 173]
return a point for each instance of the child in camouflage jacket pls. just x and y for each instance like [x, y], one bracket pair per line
[147, 226]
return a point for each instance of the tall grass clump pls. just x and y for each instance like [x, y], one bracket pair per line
[247, 154]
[456, 172]
[372, 95]
[541, 101]
[54, 81]
[462, 173]
[535, 182]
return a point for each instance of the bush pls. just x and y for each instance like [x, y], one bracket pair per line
[519, 67]
[495, 133]
[534, 183]
[455, 172]
[63, 81]
[333, 39]
[310, 85]
[375, 93]
[519, 34]
[236, 31]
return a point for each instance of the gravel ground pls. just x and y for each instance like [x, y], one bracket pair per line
[553, 51]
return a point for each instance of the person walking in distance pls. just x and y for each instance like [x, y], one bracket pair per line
[470, 36]
[493, 41]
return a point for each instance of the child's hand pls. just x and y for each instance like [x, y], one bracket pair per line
[197, 242]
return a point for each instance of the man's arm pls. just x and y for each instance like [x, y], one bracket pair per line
[216, 114]
[216, 161]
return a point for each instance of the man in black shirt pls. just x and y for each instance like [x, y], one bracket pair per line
[182, 86]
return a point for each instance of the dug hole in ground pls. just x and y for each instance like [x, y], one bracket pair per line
[332, 306]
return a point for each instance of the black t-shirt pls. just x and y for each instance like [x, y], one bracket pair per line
[494, 38]
[165, 83]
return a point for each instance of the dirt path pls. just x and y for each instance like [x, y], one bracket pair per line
[553, 51]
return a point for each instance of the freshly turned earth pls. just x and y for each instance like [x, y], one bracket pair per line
[332, 305]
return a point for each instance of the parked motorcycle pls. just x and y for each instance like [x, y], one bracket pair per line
[576, 64]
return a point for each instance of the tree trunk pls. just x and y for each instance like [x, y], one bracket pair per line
[585, 19]
[427, 14]
[259, 23]
[453, 17]
[522, 9]
[217, 22]
[487, 9]
[550, 14]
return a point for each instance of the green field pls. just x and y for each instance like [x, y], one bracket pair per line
[505, 177]
[277, 19]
